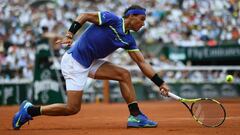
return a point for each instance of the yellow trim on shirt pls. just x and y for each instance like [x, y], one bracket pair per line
[99, 18]
[133, 50]
[123, 26]
[114, 30]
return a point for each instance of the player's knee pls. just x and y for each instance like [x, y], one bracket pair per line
[125, 75]
[72, 110]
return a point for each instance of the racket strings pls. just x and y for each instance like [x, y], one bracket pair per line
[208, 112]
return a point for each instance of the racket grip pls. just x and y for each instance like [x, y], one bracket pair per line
[170, 94]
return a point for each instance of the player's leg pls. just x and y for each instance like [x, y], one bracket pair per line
[27, 111]
[75, 76]
[106, 70]
[109, 71]
[72, 106]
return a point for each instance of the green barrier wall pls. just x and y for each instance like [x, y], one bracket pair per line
[186, 90]
[15, 93]
[191, 90]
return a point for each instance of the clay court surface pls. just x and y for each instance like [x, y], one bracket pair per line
[110, 119]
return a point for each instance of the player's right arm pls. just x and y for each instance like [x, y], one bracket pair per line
[98, 18]
[77, 24]
[80, 20]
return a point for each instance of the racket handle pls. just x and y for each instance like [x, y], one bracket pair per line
[170, 94]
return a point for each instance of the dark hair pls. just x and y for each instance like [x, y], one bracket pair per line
[132, 7]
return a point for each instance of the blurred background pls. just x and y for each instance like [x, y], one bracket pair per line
[192, 44]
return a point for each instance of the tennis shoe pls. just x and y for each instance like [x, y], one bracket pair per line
[22, 116]
[140, 121]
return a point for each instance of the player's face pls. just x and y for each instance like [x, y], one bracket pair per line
[137, 22]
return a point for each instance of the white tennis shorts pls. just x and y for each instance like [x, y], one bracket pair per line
[75, 74]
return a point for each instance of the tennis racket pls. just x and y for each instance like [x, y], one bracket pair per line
[207, 112]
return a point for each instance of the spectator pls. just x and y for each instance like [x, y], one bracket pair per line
[48, 22]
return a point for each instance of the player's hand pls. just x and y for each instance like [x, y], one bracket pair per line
[164, 89]
[64, 42]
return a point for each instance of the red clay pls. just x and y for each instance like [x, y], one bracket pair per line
[110, 119]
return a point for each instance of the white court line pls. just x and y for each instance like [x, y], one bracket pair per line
[233, 118]
[190, 118]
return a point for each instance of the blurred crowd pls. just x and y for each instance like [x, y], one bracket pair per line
[194, 22]
[171, 22]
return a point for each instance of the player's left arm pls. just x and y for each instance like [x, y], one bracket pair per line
[147, 70]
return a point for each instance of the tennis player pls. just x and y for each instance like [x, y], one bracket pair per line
[107, 33]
